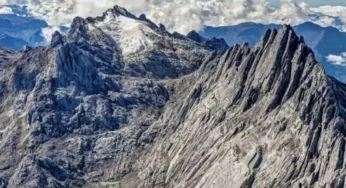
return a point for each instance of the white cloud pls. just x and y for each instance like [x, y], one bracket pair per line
[47, 34]
[337, 59]
[185, 15]
[334, 11]
[6, 10]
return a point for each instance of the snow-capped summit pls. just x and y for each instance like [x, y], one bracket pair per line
[143, 47]
[132, 34]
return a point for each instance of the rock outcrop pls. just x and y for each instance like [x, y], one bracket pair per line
[121, 102]
[214, 43]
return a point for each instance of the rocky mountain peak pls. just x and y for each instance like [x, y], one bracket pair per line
[57, 39]
[162, 27]
[138, 41]
[193, 35]
[117, 10]
[283, 34]
[217, 43]
[142, 17]
[214, 43]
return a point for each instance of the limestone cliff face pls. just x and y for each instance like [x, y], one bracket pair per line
[121, 102]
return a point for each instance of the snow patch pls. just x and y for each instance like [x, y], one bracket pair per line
[130, 34]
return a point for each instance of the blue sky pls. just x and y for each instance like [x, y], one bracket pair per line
[314, 3]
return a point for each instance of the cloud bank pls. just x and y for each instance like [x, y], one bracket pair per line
[186, 15]
[337, 59]
[6, 10]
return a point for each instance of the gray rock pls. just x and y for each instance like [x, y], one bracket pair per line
[193, 35]
[175, 113]
[213, 43]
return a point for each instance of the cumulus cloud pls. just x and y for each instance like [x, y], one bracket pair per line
[184, 15]
[6, 10]
[337, 59]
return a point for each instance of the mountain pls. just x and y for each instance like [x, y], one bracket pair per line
[214, 43]
[11, 42]
[20, 28]
[323, 40]
[245, 32]
[121, 102]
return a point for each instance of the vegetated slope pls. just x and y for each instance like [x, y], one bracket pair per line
[120, 102]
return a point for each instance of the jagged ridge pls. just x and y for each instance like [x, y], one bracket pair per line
[251, 114]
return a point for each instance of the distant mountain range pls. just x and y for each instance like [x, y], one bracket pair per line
[323, 40]
[19, 28]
